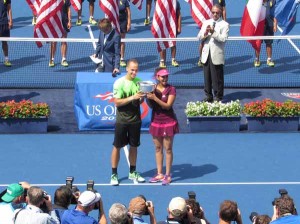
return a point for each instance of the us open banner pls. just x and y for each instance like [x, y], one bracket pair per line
[94, 103]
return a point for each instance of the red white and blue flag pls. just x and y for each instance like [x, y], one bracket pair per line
[48, 24]
[34, 5]
[164, 23]
[253, 21]
[111, 10]
[76, 4]
[201, 10]
[137, 3]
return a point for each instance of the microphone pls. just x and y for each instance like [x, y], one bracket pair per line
[213, 25]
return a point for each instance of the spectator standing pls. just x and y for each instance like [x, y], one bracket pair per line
[214, 33]
[284, 211]
[108, 48]
[13, 199]
[138, 207]
[269, 30]
[125, 25]
[67, 24]
[164, 124]
[162, 63]
[33, 212]
[6, 24]
[92, 21]
[222, 3]
[86, 203]
[127, 99]
[229, 212]
[178, 212]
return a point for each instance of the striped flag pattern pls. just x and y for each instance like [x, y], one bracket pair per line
[48, 24]
[76, 4]
[34, 5]
[137, 3]
[164, 23]
[111, 10]
[253, 21]
[201, 10]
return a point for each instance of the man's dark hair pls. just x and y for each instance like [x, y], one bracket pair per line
[285, 205]
[228, 211]
[63, 196]
[262, 219]
[35, 195]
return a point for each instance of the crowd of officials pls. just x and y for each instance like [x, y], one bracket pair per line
[25, 204]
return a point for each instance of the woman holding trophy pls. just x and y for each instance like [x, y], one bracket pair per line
[164, 124]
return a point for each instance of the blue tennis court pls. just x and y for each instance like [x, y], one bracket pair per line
[246, 167]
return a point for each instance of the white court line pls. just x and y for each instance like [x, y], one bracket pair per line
[289, 40]
[92, 36]
[177, 184]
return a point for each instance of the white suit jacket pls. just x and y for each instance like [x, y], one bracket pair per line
[215, 42]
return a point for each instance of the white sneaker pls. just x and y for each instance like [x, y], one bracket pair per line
[114, 180]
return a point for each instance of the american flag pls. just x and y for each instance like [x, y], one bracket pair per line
[34, 5]
[201, 10]
[137, 3]
[76, 4]
[48, 24]
[111, 10]
[164, 23]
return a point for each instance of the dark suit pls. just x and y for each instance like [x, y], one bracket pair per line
[110, 51]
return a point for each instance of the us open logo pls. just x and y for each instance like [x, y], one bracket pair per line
[107, 112]
[292, 95]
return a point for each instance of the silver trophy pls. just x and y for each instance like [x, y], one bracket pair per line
[146, 86]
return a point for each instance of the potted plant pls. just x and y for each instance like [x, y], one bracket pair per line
[216, 116]
[269, 115]
[23, 117]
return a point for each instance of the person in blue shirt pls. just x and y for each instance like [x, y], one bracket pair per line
[86, 203]
[285, 211]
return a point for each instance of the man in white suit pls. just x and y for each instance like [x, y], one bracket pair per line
[214, 33]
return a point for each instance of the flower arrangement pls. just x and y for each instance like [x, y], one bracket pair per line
[270, 108]
[23, 109]
[198, 108]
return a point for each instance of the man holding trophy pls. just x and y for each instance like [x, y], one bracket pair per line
[127, 98]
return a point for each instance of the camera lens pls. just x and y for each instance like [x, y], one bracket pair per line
[253, 216]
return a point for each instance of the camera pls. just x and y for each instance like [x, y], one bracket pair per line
[192, 195]
[69, 184]
[282, 193]
[253, 216]
[90, 187]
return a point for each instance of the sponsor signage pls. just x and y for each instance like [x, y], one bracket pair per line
[94, 103]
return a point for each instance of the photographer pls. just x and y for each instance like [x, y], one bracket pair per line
[33, 213]
[259, 219]
[139, 206]
[229, 212]
[118, 214]
[284, 211]
[14, 197]
[86, 203]
[178, 212]
[196, 209]
[62, 199]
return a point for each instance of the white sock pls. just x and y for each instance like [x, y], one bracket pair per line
[6, 58]
[63, 59]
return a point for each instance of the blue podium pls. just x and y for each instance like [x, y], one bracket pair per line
[94, 104]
